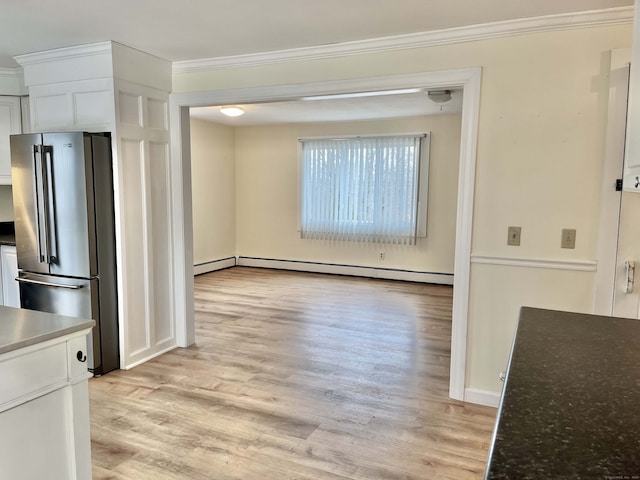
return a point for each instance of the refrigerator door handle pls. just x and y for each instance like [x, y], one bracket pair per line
[38, 188]
[47, 284]
[49, 202]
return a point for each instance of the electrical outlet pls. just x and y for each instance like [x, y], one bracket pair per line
[568, 238]
[513, 236]
[381, 256]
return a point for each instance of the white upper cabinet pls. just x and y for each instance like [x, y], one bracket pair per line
[10, 122]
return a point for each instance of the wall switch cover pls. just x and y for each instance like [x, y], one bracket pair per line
[513, 237]
[568, 238]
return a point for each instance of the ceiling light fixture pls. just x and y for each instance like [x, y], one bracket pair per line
[363, 94]
[232, 111]
[439, 96]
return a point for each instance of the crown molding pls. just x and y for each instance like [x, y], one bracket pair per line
[565, 21]
[65, 53]
[12, 81]
[11, 72]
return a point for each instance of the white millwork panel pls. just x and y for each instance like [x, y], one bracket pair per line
[87, 105]
[161, 248]
[143, 151]
[10, 123]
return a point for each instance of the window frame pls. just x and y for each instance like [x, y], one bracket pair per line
[424, 160]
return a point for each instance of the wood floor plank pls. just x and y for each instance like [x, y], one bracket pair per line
[295, 376]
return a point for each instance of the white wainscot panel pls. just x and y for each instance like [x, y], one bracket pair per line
[137, 335]
[160, 207]
[130, 108]
[52, 111]
[93, 108]
[158, 113]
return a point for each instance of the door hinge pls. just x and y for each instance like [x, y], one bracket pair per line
[618, 185]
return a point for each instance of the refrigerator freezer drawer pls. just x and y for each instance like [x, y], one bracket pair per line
[73, 297]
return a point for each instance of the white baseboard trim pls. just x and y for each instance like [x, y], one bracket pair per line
[488, 398]
[371, 272]
[214, 265]
[155, 354]
[577, 265]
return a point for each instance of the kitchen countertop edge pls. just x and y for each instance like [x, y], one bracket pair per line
[20, 328]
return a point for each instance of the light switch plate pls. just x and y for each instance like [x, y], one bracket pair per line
[513, 236]
[568, 238]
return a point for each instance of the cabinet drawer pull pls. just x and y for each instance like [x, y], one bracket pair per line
[81, 356]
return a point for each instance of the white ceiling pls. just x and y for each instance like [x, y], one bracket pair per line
[333, 110]
[197, 29]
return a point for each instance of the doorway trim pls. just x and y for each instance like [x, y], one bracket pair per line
[613, 166]
[468, 79]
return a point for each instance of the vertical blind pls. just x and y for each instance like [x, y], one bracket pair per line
[361, 189]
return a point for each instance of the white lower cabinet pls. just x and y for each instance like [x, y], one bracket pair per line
[44, 418]
[9, 271]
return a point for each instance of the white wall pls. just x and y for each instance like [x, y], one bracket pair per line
[245, 194]
[539, 162]
[267, 196]
[214, 191]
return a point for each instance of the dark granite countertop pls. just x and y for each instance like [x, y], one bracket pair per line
[21, 328]
[7, 233]
[571, 401]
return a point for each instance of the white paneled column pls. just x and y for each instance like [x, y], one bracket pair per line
[110, 87]
[143, 145]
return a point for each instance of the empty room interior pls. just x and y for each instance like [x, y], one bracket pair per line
[319, 240]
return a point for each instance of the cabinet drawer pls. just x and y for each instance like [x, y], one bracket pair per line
[25, 375]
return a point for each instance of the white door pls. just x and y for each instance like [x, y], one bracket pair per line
[626, 292]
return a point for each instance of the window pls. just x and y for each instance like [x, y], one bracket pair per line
[369, 189]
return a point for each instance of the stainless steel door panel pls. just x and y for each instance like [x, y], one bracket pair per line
[69, 176]
[64, 296]
[28, 200]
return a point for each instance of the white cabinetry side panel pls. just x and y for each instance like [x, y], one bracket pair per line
[87, 105]
[130, 109]
[133, 265]
[160, 222]
[91, 108]
[158, 114]
[143, 176]
[9, 123]
[52, 111]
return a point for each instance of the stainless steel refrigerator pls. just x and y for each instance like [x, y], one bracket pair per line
[65, 234]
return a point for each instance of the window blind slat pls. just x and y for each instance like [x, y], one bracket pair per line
[361, 189]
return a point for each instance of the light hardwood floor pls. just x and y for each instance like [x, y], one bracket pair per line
[295, 376]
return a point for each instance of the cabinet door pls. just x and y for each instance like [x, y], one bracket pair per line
[36, 440]
[9, 268]
[10, 123]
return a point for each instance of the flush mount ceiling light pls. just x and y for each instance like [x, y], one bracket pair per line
[232, 111]
[439, 96]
